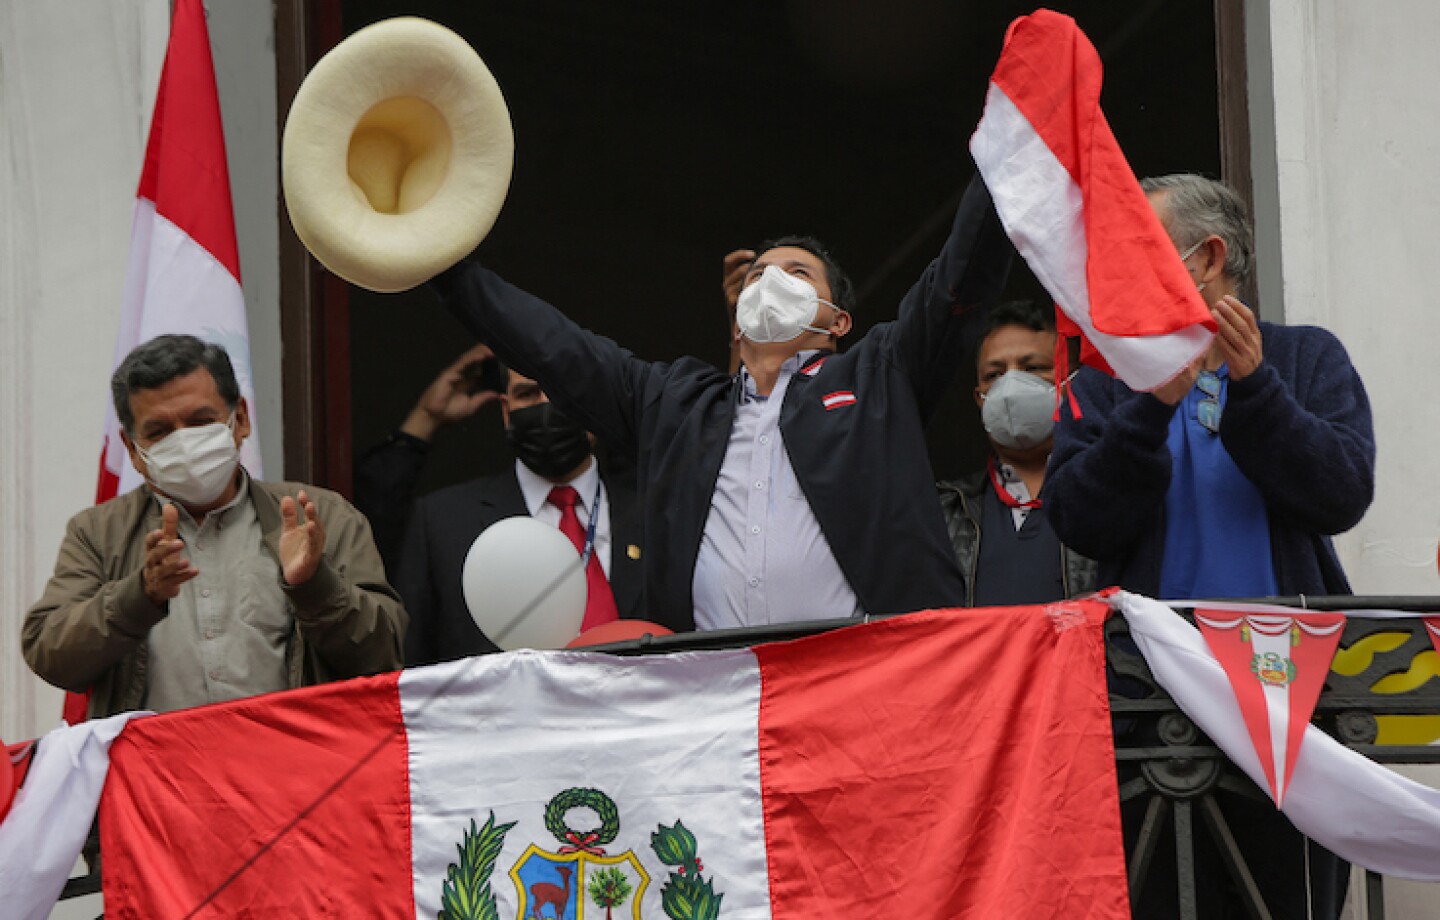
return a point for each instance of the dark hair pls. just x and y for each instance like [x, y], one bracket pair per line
[162, 359]
[842, 290]
[1025, 313]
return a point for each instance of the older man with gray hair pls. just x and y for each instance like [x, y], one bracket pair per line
[1227, 481]
[206, 585]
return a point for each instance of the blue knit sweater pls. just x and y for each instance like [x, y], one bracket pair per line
[1299, 427]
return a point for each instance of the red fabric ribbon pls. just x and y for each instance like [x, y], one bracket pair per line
[582, 844]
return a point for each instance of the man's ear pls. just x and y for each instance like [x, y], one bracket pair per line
[979, 398]
[1215, 252]
[841, 325]
[242, 421]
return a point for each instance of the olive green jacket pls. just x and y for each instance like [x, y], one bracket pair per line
[90, 627]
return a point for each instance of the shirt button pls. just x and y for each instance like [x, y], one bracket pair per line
[754, 582]
[764, 439]
[200, 546]
[759, 483]
[205, 593]
[755, 528]
[214, 675]
[209, 633]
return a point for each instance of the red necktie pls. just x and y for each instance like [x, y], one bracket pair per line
[599, 599]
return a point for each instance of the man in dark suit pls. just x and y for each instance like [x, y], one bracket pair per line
[551, 452]
[799, 488]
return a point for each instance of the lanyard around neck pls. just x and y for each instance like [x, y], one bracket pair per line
[1006, 498]
[589, 549]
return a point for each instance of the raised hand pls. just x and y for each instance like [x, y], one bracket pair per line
[1238, 336]
[732, 280]
[166, 569]
[302, 545]
[445, 400]
[732, 275]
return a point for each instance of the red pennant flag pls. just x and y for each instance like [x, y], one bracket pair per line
[1277, 666]
[1432, 626]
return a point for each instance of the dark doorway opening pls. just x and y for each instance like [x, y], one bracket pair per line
[652, 138]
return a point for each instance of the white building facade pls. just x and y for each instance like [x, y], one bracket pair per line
[1343, 132]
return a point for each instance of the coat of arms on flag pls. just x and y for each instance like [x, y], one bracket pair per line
[565, 882]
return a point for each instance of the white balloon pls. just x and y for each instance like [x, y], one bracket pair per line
[524, 585]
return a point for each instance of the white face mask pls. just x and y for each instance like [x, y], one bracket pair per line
[193, 465]
[778, 307]
[1019, 410]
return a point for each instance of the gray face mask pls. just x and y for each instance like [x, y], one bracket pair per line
[1019, 410]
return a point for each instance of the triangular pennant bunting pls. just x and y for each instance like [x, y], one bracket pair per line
[1277, 666]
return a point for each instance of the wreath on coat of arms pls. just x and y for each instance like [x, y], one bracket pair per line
[550, 883]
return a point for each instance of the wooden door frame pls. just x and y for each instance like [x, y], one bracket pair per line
[314, 304]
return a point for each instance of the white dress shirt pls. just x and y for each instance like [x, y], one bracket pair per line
[763, 558]
[536, 489]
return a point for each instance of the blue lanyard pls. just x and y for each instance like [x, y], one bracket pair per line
[589, 549]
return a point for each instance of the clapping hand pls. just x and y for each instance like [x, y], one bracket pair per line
[1238, 337]
[302, 545]
[166, 569]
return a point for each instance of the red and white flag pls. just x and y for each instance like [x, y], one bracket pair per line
[184, 271]
[42, 833]
[1352, 806]
[1071, 205]
[942, 765]
[1277, 664]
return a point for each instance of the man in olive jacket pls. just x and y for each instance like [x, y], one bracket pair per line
[205, 585]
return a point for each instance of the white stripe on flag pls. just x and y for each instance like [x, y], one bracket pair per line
[1351, 805]
[589, 721]
[1041, 207]
[42, 835]
[174, 285]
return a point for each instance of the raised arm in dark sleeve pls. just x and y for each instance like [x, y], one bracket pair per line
[593, 379]
[941, 315]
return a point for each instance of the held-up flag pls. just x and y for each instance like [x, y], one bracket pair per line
[1075, 212]
[941, 765]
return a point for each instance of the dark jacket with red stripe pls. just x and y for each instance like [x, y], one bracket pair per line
[863, 465]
